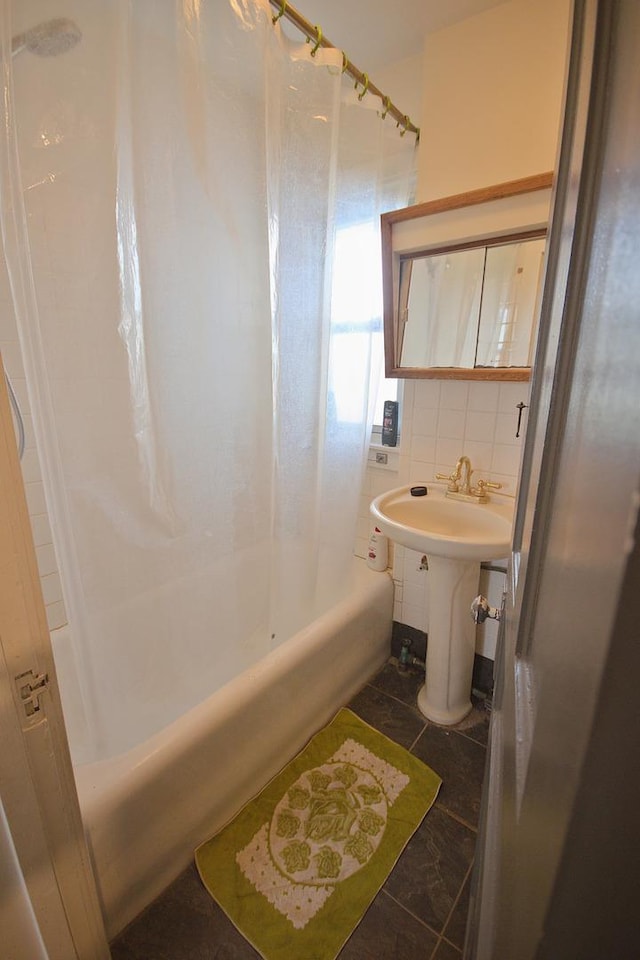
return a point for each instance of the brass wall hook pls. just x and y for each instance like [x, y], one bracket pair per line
[520, 407]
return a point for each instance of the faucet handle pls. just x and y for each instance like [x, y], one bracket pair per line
[483, 485]
[453, 480]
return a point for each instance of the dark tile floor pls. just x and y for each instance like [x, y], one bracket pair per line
[420, 913]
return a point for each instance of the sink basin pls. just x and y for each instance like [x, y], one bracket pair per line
[444, 527]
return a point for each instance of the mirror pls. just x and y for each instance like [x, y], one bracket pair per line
[462, 282]
[471, 307]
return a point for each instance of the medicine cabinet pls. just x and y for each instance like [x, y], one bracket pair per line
[462, 278]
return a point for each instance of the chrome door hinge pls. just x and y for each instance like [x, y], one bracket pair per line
[30, 688]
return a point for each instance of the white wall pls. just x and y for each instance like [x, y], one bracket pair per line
[402, 82]
[493, 88]
[491, 105]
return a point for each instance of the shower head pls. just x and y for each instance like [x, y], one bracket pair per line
[48, 39]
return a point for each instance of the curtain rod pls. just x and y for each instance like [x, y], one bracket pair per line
[314, 33]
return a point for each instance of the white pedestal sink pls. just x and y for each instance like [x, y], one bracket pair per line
[456, 536]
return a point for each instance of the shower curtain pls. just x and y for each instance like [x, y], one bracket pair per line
[190, 203]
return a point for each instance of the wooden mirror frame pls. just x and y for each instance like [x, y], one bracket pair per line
[462, 220]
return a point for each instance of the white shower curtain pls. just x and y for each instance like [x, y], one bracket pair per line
[195, 186]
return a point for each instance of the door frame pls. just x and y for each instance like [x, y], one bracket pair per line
[571, 524]
[37, 787]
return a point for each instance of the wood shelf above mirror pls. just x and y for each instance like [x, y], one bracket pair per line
[462, 282]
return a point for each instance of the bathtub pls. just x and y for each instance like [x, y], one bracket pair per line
[147, 809]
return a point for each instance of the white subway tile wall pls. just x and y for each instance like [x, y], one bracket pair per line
[36, 504]
[441, 420]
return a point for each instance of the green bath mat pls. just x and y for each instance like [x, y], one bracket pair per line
[297, 868]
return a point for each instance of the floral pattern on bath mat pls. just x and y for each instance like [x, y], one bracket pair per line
[325, 828]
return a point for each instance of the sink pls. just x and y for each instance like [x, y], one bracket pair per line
[443, 527]
[456, 535]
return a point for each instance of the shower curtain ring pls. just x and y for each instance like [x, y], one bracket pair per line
[283, 10]
[364, 88]
[386, 104]
[345, 62]
[318, 31]
[404, 123]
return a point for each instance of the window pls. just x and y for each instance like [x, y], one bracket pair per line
[356, 325]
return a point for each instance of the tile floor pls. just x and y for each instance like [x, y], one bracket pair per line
[420, 913]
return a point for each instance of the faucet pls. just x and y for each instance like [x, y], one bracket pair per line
[460, 483]
[463, 472]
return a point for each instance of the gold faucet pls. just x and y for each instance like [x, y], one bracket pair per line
[459, 486]
[464, 471]
[458, 483]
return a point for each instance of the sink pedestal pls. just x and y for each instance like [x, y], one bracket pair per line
[445, 697]
[456, 536]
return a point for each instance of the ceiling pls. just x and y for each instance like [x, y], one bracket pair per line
[375, 33]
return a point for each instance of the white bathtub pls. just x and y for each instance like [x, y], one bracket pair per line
[146, 810]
